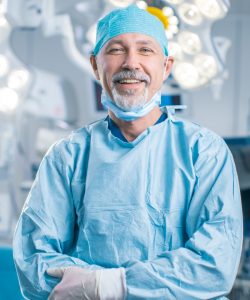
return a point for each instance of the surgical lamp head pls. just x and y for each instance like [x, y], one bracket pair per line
[132, 19]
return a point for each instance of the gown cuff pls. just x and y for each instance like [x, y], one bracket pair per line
[112, 284]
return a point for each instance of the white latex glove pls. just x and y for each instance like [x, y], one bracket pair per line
[83, 284]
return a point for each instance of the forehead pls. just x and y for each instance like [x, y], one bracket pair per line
[130, 39]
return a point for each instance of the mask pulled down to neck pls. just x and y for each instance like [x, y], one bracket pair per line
[132, 114]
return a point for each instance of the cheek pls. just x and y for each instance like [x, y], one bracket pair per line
[156, 68]
[108, 73]
[158, 76]
[106, 79]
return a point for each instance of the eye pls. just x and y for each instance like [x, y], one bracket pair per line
[115, 50]
[145, 50]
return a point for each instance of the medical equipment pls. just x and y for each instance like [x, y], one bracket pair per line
[9, 287]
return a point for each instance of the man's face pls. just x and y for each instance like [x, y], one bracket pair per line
[131, 68]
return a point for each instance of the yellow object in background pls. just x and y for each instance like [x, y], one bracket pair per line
[157, 12]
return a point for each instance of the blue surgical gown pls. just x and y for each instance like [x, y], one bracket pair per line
[165, 206]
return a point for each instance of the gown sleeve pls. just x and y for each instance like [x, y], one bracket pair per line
[46, 230]
[206, 266]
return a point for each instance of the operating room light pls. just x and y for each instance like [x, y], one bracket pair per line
[190, 14]
[4, 66]
[18, 79]
[121, 3]
[174, 50]
[172, 27]
[212, 9]
[186, 74]
[174, 1]
[190, 42]
[142, 4]
[206, 65]
[169, 35]
[168, 11]
[184, 23]
[173, 20]
[8, 100]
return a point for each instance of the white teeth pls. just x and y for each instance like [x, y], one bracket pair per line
[129, 81]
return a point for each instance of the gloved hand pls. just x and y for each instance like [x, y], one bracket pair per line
[84, 284]
[77, 283]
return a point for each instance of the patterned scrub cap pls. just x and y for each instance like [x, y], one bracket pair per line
[130, 20]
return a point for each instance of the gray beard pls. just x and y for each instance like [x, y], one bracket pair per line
[129, 101]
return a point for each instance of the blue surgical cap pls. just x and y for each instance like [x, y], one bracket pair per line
[130, 20]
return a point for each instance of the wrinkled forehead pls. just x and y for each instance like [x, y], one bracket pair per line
[133, 39]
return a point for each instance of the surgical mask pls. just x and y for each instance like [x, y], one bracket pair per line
[132, 114]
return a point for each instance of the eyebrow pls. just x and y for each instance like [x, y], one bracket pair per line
[139, 42]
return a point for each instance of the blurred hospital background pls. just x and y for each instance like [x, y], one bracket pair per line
[47, 89]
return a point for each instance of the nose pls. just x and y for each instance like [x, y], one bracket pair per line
[131, 61]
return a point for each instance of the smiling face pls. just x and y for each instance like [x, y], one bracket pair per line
[131, 68]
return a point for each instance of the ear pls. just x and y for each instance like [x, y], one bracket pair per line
[94, 66]
[168, 64]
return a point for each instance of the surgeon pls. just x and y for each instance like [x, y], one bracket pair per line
[139, 205]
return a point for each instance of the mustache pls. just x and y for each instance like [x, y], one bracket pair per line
[131, 74]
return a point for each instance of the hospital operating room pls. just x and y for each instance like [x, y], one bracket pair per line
[124, 149]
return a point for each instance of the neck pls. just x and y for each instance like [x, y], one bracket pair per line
[132, 129]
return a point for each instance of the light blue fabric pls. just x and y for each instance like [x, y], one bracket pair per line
[130, 20]
[132, 114]
[112, 126]
[166, 207]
